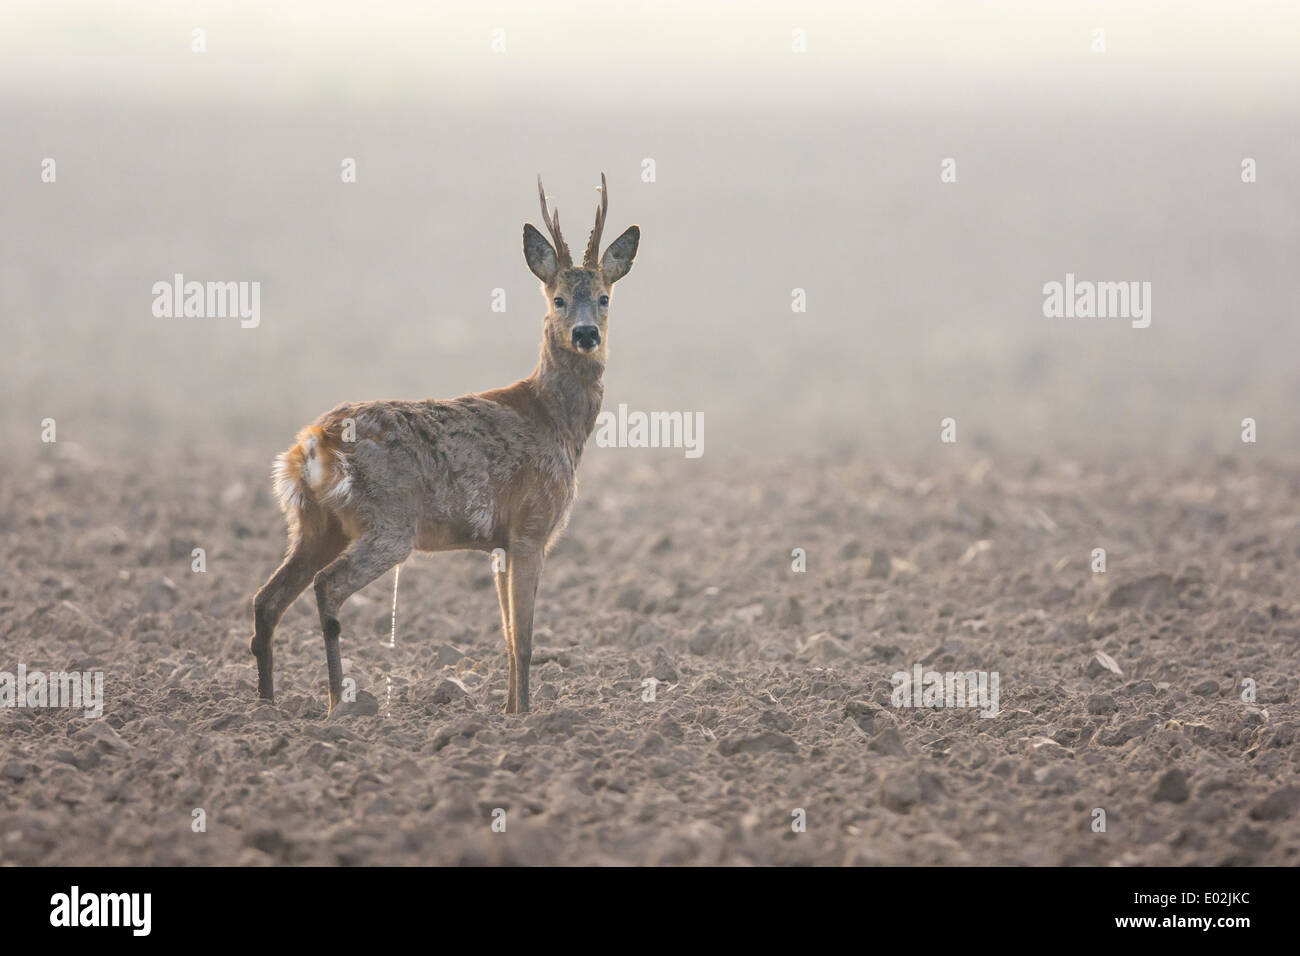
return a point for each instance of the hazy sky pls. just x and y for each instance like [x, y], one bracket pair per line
[1233, 54]
[776, 171]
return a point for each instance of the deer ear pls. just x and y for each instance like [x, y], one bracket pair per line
[539, 254]
[617, 260]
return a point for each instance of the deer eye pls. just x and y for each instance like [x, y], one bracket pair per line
[559, 302]
[604, 300]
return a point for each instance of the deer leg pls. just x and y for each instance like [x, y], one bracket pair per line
[315, 543]
[503, 597]
[525, 568]
[364, 560]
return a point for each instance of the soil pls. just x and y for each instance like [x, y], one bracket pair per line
[771, 736]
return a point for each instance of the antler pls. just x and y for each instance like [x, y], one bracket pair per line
[552, 221]
[591, 258]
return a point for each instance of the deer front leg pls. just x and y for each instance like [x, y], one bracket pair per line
[525, 566]
[503, 597]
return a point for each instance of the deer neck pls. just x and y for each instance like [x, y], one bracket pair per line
[571, 387]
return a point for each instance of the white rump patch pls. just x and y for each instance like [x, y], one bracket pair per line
[311, 462]
[286, 488]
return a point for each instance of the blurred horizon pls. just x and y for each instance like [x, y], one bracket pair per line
[774, 171]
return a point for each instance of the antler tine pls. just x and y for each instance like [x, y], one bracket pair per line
[552, 221]
[591, 259]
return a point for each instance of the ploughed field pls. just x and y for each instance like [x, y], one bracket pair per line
[770, 735]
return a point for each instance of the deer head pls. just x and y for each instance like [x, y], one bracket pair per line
[578, 298]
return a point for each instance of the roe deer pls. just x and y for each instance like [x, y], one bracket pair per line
[368, 483]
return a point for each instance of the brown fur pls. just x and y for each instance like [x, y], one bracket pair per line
[495, 469]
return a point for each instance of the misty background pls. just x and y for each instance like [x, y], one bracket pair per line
[774, 170]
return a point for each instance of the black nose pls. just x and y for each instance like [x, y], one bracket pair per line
[586, 337]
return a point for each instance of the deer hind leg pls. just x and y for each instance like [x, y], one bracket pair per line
[503, 598]
[525, 568]
[365, 559]
[315, 540]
